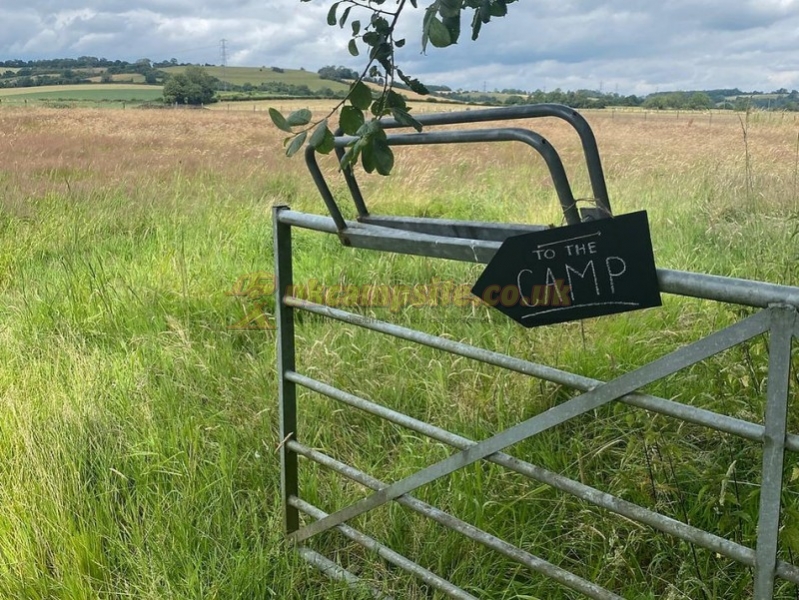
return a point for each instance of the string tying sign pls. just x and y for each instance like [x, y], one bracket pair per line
[568, 273]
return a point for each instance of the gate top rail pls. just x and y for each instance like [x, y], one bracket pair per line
[720, 288]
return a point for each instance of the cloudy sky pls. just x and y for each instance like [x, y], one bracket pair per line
[626, 46]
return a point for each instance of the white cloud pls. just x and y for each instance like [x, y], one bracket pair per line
[630, 47]
[92, 40]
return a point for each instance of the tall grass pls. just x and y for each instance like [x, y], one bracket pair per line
[138, 429]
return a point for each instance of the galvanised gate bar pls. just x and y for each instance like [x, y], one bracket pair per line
[477, 243]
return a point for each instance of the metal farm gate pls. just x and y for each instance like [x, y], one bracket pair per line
[477, 242]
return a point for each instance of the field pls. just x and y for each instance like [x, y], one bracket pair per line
[82, 94]
[321, 106]
[138, 416]
[256, 76]
[121, 77]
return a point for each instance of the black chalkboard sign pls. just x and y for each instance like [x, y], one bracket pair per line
[575, 272]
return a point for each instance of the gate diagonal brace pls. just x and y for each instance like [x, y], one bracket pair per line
[593, 399]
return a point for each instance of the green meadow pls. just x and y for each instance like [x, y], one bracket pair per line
[82, 94]
[258, 75]
[138, 408]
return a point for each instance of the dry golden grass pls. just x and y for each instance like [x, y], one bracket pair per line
[321, 107]
[86, 148]
[42, 147]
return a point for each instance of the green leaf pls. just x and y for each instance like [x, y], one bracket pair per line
[367, 157]
[380, 25]
[296, 143]
[414, 84]
[348, 159]
[418, 87]
[438, 33]
[453, 25]
[360, 95]
[319, 134]
[327, 144]
[353, 152]
[322, 139]
[383, 157]
[356, 28]
[449, 8]
[394, 100]
[331, 14]
[279, 120]
[498, 8]
[404, 117]
[344, 17]
[372, 129]
[399, 43]
[351, 120]
[353, 48]
[300, 117]
[372, 38]
[477, 23]
[382, 53]
[485, 11]
[429, 15]
[379, 106]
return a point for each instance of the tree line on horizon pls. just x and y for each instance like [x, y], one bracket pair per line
[201, 88]
[76, 71]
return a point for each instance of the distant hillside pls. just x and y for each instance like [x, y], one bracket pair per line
[248, 83]
[732, 99]
[253, 78]
[77, 71]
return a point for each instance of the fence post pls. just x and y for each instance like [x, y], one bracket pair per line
[768, 523]
[287, 391]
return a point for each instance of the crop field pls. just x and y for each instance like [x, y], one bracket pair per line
[255, 76]
[138, 412]
[121, 77]
[95, 93]
[320, 107]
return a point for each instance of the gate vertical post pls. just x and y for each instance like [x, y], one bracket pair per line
[768, 523]
[287, 391]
